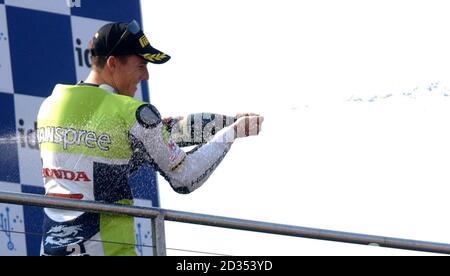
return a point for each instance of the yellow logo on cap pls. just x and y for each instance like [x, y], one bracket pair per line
[155, 57]
[144, 41]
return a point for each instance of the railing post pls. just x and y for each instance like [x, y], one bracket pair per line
[158, 235]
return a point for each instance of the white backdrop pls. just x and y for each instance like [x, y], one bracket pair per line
[331, 154]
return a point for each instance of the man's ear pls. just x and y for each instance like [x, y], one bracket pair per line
[111, 62]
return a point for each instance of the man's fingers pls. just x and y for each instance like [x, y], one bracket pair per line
[239, 115]
[248, 126]
[260, 121]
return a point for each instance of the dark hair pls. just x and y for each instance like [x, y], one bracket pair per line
[99, 62]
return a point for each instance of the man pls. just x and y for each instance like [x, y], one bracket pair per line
[93, 135]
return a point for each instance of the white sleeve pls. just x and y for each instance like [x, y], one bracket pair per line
[185, 172]
[198, 128]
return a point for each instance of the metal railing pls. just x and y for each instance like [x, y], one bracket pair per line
[159, 216]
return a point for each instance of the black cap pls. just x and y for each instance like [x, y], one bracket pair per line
[120, 39]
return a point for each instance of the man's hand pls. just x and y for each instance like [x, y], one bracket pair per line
[248, 125]
[239, 115]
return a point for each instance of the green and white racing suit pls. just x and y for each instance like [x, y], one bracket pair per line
[90, 141]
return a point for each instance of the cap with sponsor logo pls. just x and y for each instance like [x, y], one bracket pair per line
[120, 39]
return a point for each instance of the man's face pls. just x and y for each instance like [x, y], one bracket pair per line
[127, 76]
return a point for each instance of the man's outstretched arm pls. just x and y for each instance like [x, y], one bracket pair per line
[186, 172]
